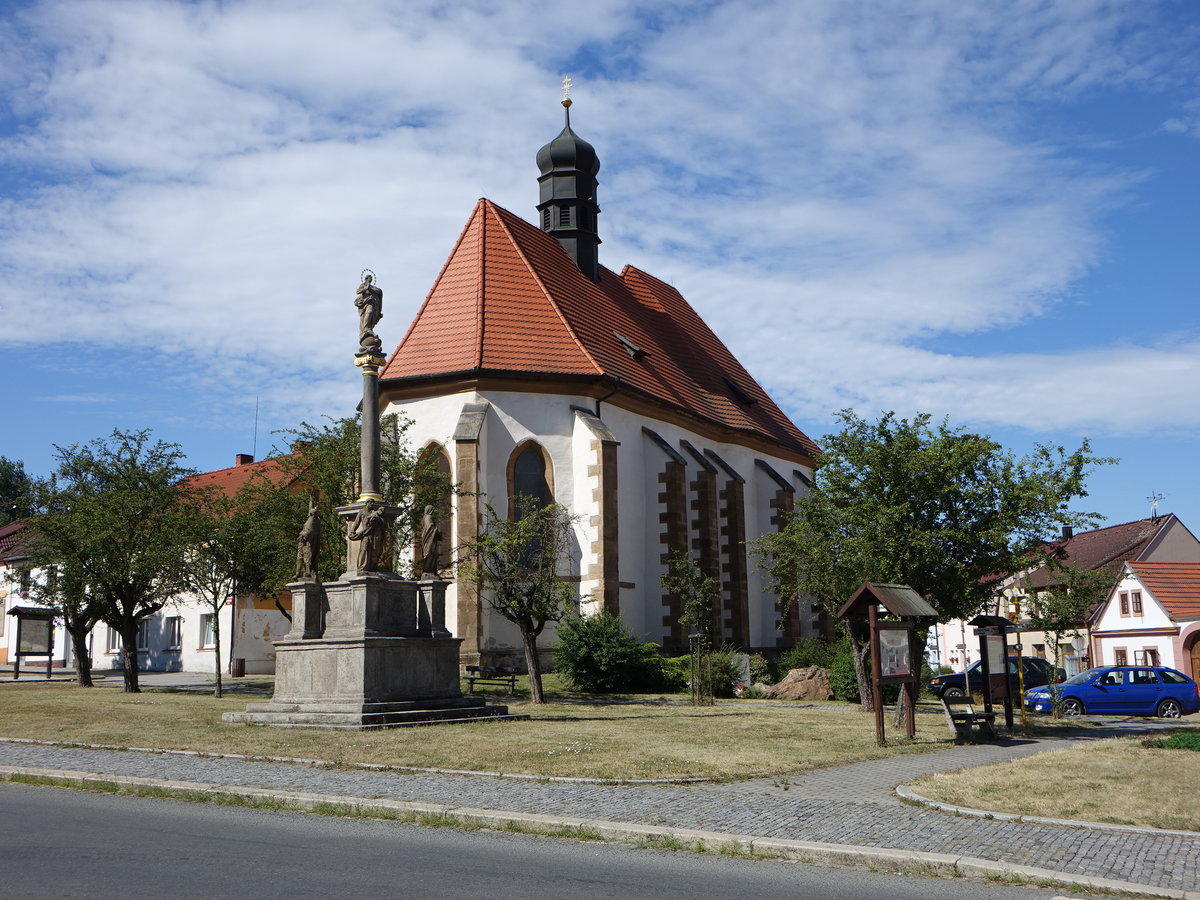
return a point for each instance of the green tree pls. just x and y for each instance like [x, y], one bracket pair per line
[116, 517]
[909, 502]
[518, 566]
[698, 593]
[62, 587]
[237, 546]
[16, 491]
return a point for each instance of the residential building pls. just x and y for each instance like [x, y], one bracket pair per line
[1158, 538]
[1150, 618]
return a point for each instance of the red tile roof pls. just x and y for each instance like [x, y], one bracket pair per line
[234, 478]
[1104, 547]
[510, 301]
[1176, 585]
[12, 540]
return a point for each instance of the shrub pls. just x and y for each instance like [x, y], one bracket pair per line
[676, 670]
[842, 678]
[725, 671]
[760, 669]
[599, 655]
[810, 651]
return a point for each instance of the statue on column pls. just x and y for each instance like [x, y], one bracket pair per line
[431, 540]
[369, 301]
[369, 529]
[308, 546]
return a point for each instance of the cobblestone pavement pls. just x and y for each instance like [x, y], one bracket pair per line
[852, 805]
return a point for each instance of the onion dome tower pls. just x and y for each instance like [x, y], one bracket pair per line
[567, 207]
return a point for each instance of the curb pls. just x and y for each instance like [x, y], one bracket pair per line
[711, 841]
[905, 792]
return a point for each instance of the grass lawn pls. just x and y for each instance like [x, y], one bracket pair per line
[571, 736]
[1118, 781]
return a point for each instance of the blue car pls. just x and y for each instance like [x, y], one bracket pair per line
[1122, 691]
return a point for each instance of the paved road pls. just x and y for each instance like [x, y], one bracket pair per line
[852, 805]
[69, 844]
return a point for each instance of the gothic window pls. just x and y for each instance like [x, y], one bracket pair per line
[530, 475]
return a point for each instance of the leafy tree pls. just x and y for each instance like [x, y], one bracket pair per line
[517, 564]
[16, 491]
[699, 593]
[62, 587]
[937, 508]
[118, 520]
[1060, 610]
[236, 545]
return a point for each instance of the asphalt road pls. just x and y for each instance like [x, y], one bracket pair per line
[64, 843]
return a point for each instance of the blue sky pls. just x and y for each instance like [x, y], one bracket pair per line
[983, 211]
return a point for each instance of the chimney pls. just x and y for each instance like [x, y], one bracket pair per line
[1068, 532]
[243, 459]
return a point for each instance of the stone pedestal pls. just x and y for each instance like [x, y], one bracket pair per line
[384, 659]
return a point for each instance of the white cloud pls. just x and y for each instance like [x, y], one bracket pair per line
[831, 182]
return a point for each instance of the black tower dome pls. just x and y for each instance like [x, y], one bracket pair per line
[567, 207]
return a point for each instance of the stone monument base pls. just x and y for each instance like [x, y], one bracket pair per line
[383, 660]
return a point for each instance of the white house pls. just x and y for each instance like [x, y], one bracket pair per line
[179, 637]
[533, 369]
[1151, 617]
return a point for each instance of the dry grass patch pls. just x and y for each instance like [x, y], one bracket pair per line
[582, 739]
[1118, 781]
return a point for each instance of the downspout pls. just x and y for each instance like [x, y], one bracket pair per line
[616, 382]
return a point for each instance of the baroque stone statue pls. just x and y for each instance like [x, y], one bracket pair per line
[308, 547]
[369, 528]
[431, 540]
[369, 301]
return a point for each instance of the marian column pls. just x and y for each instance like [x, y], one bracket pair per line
[369, 545]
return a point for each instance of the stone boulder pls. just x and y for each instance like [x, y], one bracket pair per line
[802, 684]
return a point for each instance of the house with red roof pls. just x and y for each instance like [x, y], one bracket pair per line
[1151, 617]
[1157, 539]
[179, 637]
[533, 369]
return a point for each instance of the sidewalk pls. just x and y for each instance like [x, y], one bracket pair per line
[846, 813]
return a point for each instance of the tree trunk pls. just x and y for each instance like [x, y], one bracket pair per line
[902, 710]
[129, 654]
[534, 665]
[860, 673]
[217, 648]
[79, 632]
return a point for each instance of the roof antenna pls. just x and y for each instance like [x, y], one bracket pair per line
[254, 443]
[1154, 498]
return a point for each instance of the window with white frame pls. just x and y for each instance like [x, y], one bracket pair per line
[208, 637]
[113, 642]
[143, 636]
[174, 632]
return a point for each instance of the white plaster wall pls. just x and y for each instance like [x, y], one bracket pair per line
[515, 417]
[1153, 615]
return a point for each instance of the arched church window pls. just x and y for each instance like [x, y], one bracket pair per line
[530, 475]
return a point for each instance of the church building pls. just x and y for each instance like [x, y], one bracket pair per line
[532, 369]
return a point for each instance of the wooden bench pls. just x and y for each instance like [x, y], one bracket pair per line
[965, 723]
[496, 676]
